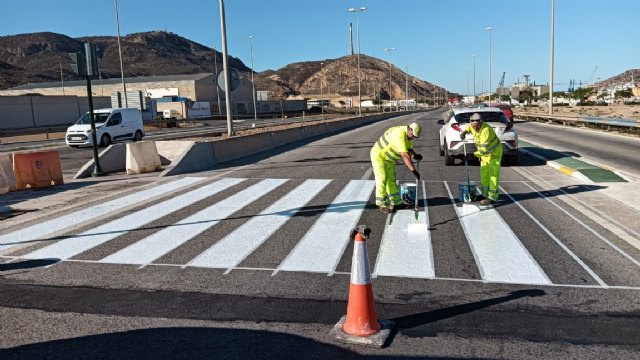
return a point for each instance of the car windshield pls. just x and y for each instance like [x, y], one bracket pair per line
[98, 118]
[487, 116]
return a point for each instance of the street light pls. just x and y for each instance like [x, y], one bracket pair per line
[124, 86]
[468, 83]
[321, 95]
[474, 77]
[551, 60]
[406, 88]
[490, 89]
[389, 50]
[253, 85]
[225, 69]
[358, 11]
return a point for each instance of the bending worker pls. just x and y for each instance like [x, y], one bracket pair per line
[489, 151]
[396, 143]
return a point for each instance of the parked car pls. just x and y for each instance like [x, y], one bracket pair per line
[506, 109]
[111, 125]
[451, 147]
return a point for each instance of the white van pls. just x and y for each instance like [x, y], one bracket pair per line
[111, 125]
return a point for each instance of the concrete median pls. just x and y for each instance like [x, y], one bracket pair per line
[142, 157]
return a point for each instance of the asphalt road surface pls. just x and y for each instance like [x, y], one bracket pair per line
[252, 260]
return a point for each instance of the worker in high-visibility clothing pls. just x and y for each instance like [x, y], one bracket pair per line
[489, 151]
[396, 143]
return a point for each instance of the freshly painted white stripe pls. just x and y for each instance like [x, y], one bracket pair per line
[322, 246]
[41, 229]
[156, 245]
[74, 245]
[235, 247]
[563, 246]
[499, 254]
[360, 273]
[406, 249]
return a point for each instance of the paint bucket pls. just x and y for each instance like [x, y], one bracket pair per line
[408, 193]
[467, 192]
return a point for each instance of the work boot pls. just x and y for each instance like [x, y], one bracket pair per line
[486, 202]
[384, 209]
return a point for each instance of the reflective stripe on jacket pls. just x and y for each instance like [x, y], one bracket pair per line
[392, 143]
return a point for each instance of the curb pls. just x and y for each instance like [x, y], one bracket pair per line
[562, 168]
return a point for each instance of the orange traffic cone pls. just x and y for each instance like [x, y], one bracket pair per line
[361, 309]
[360, 325]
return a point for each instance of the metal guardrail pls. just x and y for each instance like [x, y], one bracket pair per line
[632, 125]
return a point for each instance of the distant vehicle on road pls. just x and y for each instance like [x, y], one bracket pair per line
[506, 109]
[111, 125]
[449, 134]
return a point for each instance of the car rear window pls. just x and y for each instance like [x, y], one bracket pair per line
[493, 116]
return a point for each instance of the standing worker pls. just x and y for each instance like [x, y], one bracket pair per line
[396, 143]
[489, 151]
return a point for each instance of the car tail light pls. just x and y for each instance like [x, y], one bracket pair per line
[456, 127]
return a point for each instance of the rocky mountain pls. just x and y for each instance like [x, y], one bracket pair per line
[628, 76]
[43, 57]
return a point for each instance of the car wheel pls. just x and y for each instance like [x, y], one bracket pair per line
[448, 159]
[441, 150]
[137, 136]
[105, 140]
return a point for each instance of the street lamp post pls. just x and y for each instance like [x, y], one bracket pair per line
[551, 59]
[358, 11]
[225, 69]
[474, 77]
[215, 62]
[406, 88]
[321, 94]
[389, 50]
[468, 83]
[124, 85]
[490, 89]
[253, 84]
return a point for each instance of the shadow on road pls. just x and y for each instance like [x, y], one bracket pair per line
[27, 264]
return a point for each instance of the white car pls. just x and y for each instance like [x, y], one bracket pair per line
[454, 119]
[111, 125]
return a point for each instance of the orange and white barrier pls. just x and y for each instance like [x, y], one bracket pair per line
[142, 157]
[7, 177]
[360, 325]
[37, 169]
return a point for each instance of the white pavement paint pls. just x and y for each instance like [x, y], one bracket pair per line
[153, 247]
[499, 254]
[41, 229]
[406, 249]
[321, 248]
[235, 247]
[74, 245]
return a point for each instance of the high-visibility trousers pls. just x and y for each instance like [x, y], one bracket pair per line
[387, 192]
[490, 173]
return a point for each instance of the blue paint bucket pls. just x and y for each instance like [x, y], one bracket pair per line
[467, 192]
[408, 193]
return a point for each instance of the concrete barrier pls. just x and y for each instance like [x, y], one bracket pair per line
[111, 159]
[242, 146]
[37, 169]
[197, 157]
[142, 157]
[169, 151]
[7, 177]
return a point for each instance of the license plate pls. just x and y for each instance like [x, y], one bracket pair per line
[77, 138]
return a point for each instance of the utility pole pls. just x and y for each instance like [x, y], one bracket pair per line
[225, 69]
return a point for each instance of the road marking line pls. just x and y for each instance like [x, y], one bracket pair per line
[562, 245]
[499, 254]
[235, 247]
[322, 246]
[406, 249]
[162, 242]
[41, 229]
[77, 244]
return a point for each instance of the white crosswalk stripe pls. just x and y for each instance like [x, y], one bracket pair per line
[42, 229]
[323, 245]
[158, 244]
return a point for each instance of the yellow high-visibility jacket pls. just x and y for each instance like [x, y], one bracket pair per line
[487, 142]
[393, 142]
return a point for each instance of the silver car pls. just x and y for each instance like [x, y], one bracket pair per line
[454, 119]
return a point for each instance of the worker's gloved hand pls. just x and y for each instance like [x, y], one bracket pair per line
[463, 135]
[417, 157]
[416, 174]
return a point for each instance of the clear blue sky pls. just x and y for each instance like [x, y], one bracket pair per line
[435, 38]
